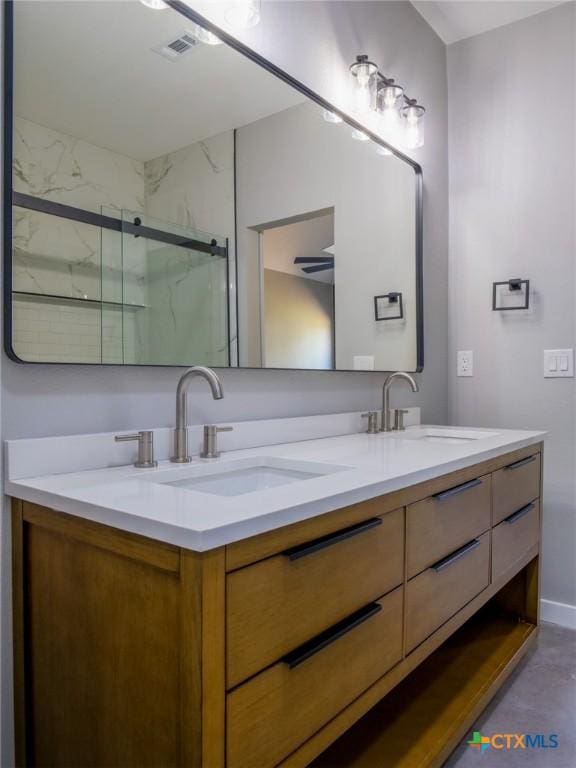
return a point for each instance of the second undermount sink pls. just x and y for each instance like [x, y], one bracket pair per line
[453, 435]
[234, 478]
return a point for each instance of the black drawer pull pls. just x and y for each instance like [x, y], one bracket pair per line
[521, 463]
[446, 561]
[303, 550]
[321, 641]
[521, 512]
[457, 489]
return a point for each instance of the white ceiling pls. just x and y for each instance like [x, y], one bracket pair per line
[86, 68]
[454, 20]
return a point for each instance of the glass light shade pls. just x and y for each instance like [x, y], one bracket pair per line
[331, 117]
[242, 14]
[413, 116]
[390, 100]
[207, 37]
[156, 5]
[390, 125]
[360, 135]
[363, 70]
[390, 97]
[364, 98]
[384, 151]
[364, 73]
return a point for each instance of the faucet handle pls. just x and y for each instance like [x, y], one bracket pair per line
[372, 417]
[145, 441]
[210, 449]
[399, 414]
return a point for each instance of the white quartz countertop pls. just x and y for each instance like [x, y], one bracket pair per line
[369, 466]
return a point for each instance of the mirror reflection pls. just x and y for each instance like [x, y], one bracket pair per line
[175, 203]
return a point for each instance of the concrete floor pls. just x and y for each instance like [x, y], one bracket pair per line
[540, 697]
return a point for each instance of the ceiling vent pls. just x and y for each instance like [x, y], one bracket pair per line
[177, 47]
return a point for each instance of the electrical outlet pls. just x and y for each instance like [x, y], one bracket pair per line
[465, 366]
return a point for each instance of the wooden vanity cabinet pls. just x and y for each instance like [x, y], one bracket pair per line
[440, 591]
[278, 603]
[295, 697]
[445, 521]
[515, 535]
[515, 485]
[134, 653]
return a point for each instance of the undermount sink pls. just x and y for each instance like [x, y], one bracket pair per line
[453, 435]
[235, 478]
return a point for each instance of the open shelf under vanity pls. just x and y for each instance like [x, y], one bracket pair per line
[420, 721]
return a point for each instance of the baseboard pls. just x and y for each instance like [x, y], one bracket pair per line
[558, 613]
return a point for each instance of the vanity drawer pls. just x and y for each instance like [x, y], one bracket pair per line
[514, 486]
[279, 603]
[441, 523]
[279, 709]
[440, 591]
[517, 534]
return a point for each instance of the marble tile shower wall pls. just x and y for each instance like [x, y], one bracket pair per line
[170, 302]
[68, 259]
[187, 312]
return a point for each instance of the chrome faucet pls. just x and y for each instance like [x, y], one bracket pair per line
[386, 415]
[181, 432]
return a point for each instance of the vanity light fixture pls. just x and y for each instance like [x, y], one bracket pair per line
[242, 14]
[155, 5]
[359, 135]
[201, 34]
[400, 118]
[205, 36]
[237, 15]
[331, 117]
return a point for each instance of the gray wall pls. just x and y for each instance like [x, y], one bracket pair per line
[315, 41]
[512, 213]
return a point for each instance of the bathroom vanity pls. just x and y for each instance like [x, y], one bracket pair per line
[364, 616]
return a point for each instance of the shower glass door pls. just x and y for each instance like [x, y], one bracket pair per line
[174, 294]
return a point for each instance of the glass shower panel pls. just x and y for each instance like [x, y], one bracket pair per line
[112, 330]
[174, 294]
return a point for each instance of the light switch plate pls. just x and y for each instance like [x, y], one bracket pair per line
[558, 363]
[465, 366]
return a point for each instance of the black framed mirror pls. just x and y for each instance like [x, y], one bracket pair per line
[191, 205]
